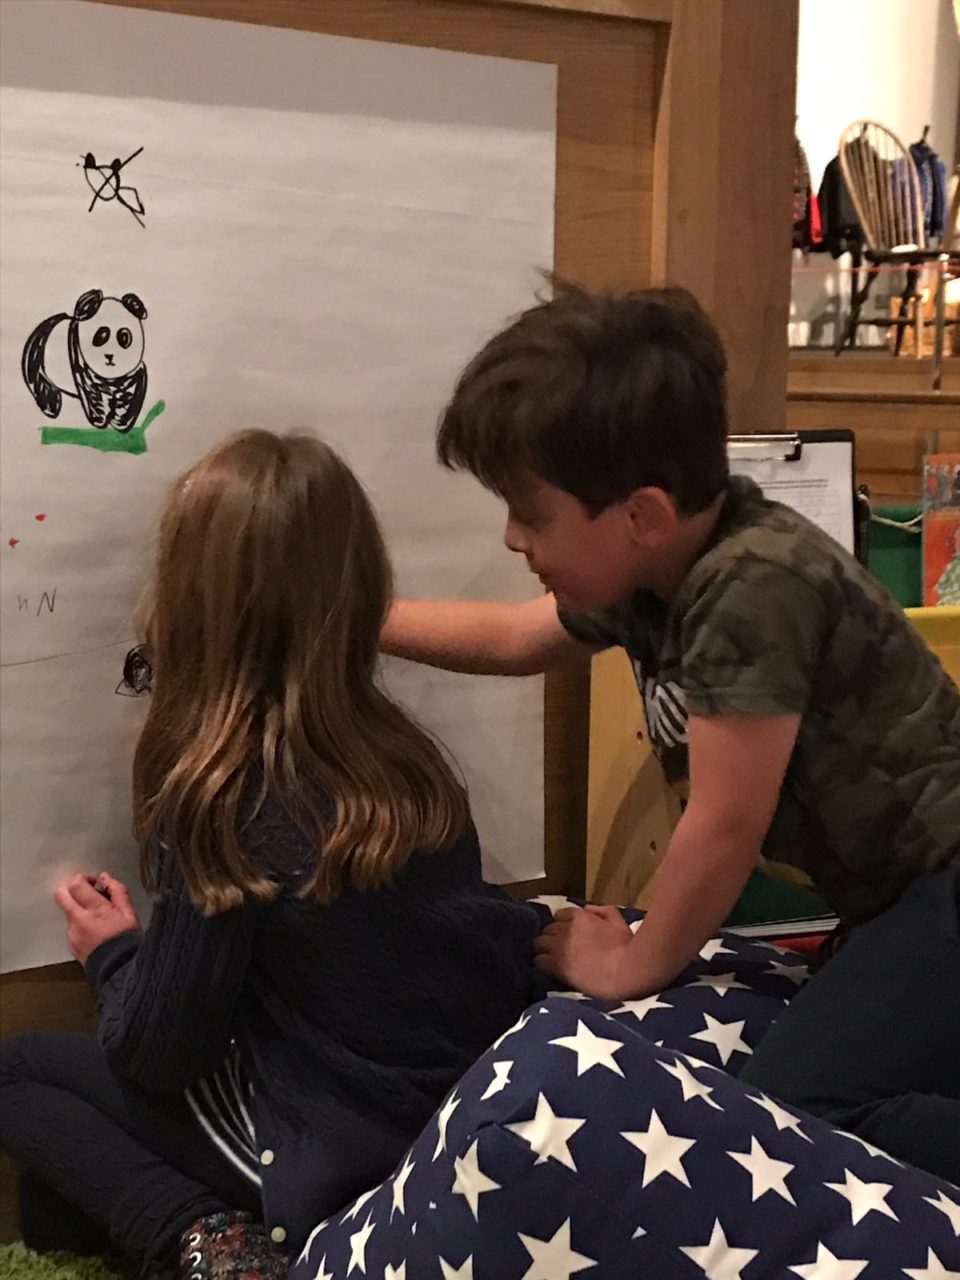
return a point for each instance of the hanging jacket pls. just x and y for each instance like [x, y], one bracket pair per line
[802, 195]
[842, 232]
[933, 187]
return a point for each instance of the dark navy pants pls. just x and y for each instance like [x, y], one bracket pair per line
[106, 1164]
[872, 1042]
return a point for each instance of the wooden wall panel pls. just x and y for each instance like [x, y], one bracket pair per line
[892, 437]
[723, 182]
[726, 185]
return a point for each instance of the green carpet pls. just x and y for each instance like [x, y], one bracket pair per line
[17, 1262]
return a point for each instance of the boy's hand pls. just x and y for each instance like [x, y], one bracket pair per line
[96, 909]
[588, 949]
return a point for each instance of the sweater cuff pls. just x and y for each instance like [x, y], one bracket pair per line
[111, 955]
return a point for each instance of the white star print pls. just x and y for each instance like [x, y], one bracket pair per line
[305, 1251]
[782, 1118]
[934, 1270]
[591, 1050]
[871, 1149]
[664, 1151]
[358, 1205]
[548, 1134]
[638, 1233]
[553, 1259]
[947, 1207]
[517, 1026]
[447, 1110]
[566, 994]
[828, 1267]
[720, 982]
[469, 1182]
[394, 1273]
[501, 1078]
[724, 1036]
[703, 1066]
[640, 1008]
[715, 947]
[358, 1246]
[400, 1186]
[324, 1274]
[463, 1272]
[797, 973]
[864, 1197]
[635, 925]
[717, 1259]
[691, 1086]
[766, 1174]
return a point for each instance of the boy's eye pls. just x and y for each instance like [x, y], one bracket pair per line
[530, 519]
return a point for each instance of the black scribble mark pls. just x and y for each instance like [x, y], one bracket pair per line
[104, 348]
[137, 674]
[104, 181]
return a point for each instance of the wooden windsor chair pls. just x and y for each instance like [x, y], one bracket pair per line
[884, 187]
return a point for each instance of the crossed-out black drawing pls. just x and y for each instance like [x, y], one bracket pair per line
[104, 181]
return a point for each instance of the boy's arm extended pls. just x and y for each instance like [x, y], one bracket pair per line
[481, 637]
[737, 766]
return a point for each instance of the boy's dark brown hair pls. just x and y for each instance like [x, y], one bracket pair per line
[598, 394]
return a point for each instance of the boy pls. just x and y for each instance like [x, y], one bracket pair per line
[810, 718]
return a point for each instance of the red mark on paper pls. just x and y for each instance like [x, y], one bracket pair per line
[14, 541]
[41, 516]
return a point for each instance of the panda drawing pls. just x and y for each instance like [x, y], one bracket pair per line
[95, 355]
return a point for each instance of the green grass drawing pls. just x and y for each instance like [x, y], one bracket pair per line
[105, 439]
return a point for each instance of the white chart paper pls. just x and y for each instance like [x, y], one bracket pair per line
[301, 231]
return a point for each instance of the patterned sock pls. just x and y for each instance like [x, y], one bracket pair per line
[229, 1246]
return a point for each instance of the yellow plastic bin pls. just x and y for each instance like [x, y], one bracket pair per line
[940, 627]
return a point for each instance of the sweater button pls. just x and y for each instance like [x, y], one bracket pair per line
[266, 1157]
[278, 1235]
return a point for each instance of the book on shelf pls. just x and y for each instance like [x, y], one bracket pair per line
[941, 529]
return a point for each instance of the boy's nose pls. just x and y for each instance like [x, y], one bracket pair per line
[514, 539]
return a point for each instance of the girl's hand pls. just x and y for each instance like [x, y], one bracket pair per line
[96, 909]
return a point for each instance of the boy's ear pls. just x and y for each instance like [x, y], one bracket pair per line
[653, 517]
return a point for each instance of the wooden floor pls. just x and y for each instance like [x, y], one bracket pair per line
[890, 405]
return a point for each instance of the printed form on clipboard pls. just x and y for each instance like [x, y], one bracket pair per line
[811, 471]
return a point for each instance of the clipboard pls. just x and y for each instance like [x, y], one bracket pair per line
[812, 471]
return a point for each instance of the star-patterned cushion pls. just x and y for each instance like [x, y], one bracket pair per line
[720, 1006]
[577, 1146]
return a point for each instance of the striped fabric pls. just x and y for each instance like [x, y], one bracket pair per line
[220, 1104]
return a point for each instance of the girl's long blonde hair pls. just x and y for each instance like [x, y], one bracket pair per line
[262, 627]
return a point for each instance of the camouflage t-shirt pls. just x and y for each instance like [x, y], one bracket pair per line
[775, 617]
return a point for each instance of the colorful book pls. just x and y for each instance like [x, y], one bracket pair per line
[941, 529]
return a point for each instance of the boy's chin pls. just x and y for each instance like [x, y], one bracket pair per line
[573, 603]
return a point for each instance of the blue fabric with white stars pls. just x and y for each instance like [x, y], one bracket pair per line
[612, 1141]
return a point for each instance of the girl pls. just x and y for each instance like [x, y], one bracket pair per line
[324, 959]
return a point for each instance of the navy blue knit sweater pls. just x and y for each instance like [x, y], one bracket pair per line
[353, 1019]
